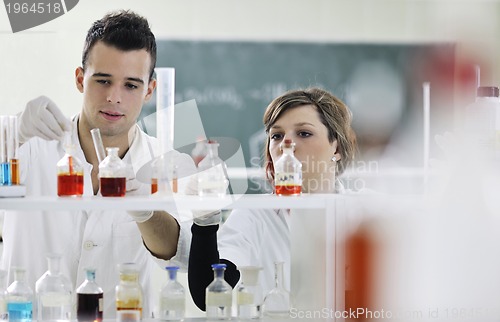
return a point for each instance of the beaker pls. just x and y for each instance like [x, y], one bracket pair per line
[277, 301]
[128, 294]
[54, 293]
[172, 297]
[89, 299]
[249, 294]
[113, 174]
[20, 298]
[219, 296]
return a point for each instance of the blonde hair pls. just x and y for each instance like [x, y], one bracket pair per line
[334, 114]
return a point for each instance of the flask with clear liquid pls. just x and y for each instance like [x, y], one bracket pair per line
[277, 301]
[219, 295]
[128, 294]
[172, 297]
[288, 171]
[212, 180]
[89, 299]
[69, 171]
[4, 316]
[249, 294]
[54, 293]
[20, 298]
[112, 174]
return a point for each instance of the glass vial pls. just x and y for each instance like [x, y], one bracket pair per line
[13, 151]
[4, 316]
[20, 298]
[4, 161]
[288, 171]
[69, 171]
[219, 295]
[172, 297]
[277, 301]
[113, 175]
[89, 299]
[212, 180]
[128, 294]
[249, 295]
[54, 293]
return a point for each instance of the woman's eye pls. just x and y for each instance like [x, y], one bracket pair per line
[304, 134]
[276, 136]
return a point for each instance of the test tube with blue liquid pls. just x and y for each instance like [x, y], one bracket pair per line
[13, 151]
[4, 161]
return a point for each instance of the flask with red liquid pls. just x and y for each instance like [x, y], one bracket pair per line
[69, 171]
[288, 171]
[112, 174]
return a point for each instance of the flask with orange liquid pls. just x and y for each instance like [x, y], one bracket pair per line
[288, 171]
[69, 171]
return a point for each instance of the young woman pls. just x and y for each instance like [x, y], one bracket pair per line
[320, 126]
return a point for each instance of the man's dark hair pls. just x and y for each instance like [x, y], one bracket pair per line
[124, 30]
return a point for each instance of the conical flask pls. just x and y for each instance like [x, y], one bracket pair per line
[219, 296]
[89, 299]
[249, 294]
[54, 293]
[277, 301]
[212, 180]
[172, 297]
[20, 298]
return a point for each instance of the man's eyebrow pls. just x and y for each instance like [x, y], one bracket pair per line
[133, 79]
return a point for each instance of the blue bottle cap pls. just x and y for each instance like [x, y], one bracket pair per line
[218, 266]
[172, 268]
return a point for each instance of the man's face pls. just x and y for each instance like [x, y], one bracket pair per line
[115, 85]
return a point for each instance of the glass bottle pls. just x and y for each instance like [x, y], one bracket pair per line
[54, 292]
[4, 316]
[172, 297]
[20, 298]
[288, 171]
[128, 294]
[112, 174]
[69, 171]
[277, 301]
[219, 295]
[89, 299]
[164, 177]
[249, 294]
[212, 180]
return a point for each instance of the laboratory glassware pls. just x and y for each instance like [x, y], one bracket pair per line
[212, 179]
[113, 174]
[20, 298]
[4, 161]
[69, 171]
[54, 293]
[219, 295]
[199, 151]
[89, 299]
[249, 295]
[164, 177]
[288, 171]
[128, 294]
[277, 301]
[172, 297]
[13, 150]
[99, 147]
[4, 316]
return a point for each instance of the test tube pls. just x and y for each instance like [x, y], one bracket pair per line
[99, 147]
[13, 150]
[4, 162]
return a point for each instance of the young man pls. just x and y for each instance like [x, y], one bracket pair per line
[116, 78]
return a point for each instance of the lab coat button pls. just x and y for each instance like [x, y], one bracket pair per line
[88, 245]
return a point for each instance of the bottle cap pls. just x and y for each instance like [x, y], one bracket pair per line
[218, 266]
[488, 91]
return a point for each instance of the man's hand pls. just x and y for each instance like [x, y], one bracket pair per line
[42, 118]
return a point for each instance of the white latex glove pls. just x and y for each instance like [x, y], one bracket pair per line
[133, 185]
[202, 217]
[42, 118]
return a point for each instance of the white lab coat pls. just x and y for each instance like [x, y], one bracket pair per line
[100, 239]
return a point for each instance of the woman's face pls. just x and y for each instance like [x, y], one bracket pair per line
[303, 125]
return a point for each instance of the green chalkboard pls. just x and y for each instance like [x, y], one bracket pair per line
[233, 82]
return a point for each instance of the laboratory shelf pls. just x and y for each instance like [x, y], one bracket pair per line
[248, 201]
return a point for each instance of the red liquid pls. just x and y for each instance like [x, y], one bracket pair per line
[154, 185]
[113, 187]
[288, 190]
[70, 184]
[89, 307]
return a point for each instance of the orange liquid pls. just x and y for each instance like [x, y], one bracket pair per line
[14, 170]
[70, 184]
[174, 185]
[288, 190]
[154, 185]
[113, 187]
